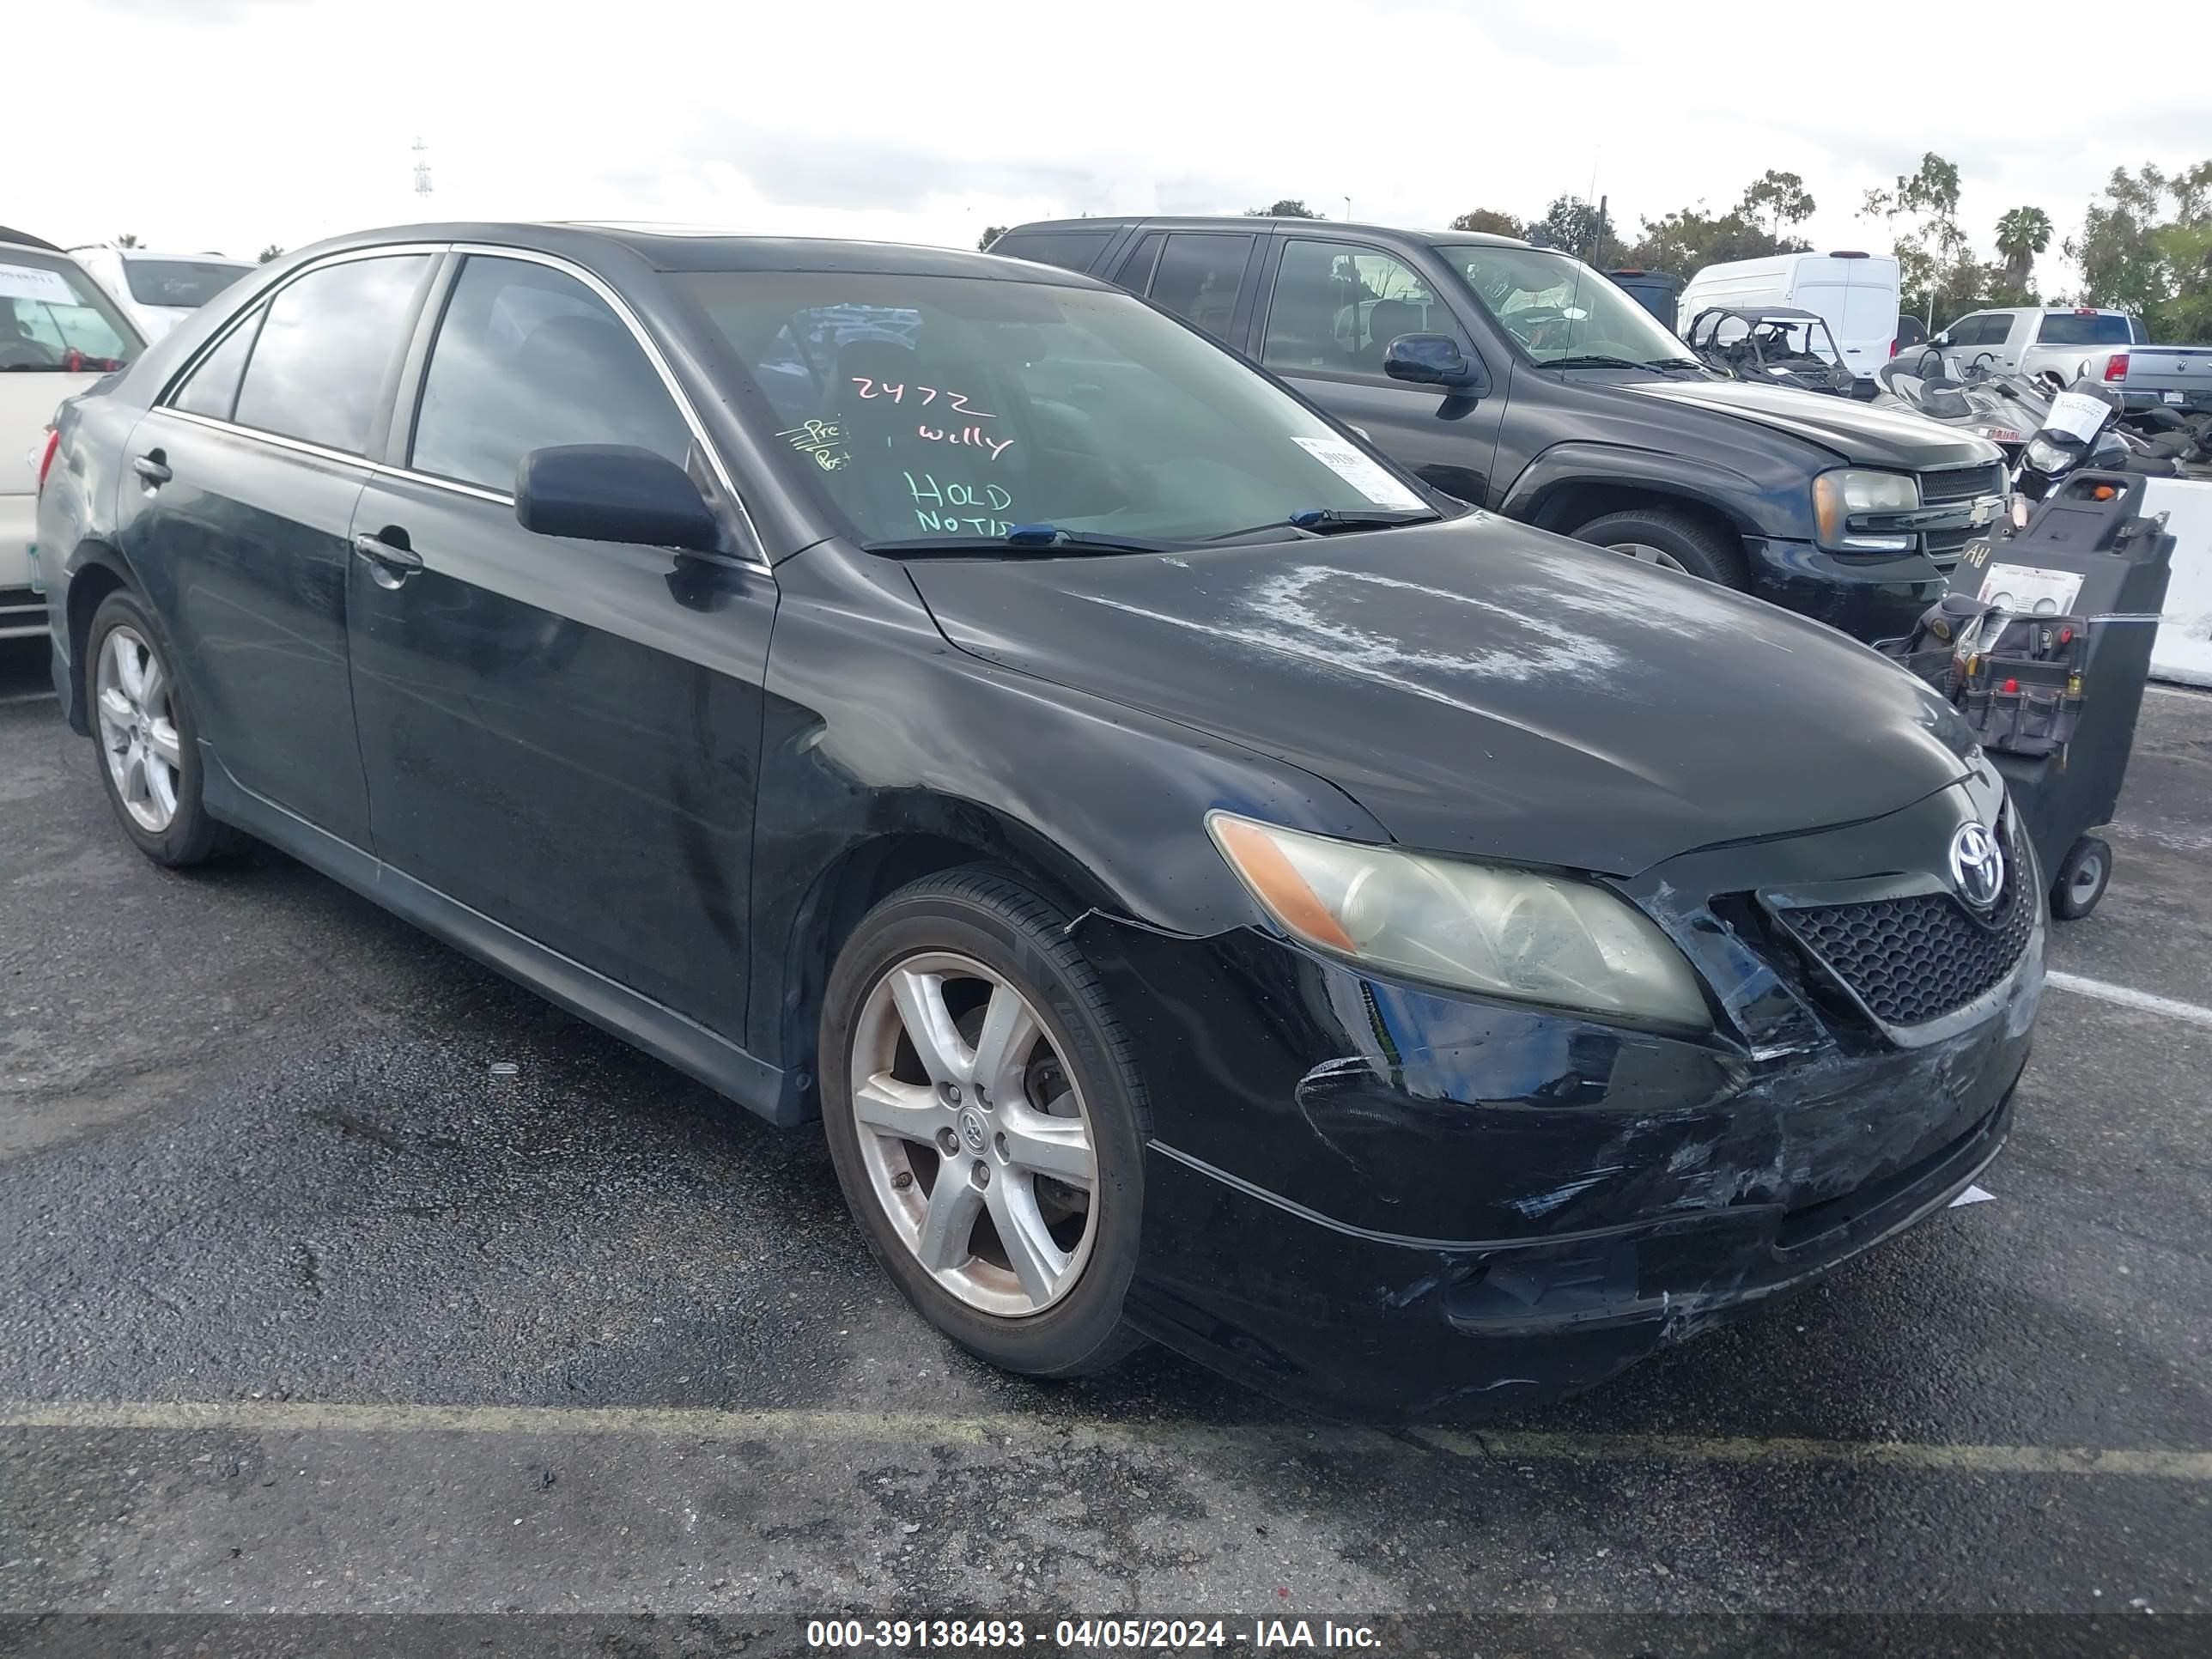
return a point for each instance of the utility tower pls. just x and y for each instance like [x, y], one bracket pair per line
[421, 166]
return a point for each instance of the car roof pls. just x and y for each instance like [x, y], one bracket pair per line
[689, 248]
[1264, 222]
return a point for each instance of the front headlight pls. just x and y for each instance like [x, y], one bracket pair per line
[1478, 927]
[1840, 496]
[2046, 456]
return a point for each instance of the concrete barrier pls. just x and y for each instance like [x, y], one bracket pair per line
[2183, 650]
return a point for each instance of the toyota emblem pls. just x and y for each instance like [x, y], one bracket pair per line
[1977, 867]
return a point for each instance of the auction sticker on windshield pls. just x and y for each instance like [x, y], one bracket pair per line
[29, 283]
[1361, 473]
[2077, 413]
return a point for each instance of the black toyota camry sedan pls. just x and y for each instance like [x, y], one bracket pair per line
[1209, 888]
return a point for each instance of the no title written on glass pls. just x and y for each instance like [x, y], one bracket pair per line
[947, 506]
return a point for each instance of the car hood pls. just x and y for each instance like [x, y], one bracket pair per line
[1481, 687]
[1857, 432]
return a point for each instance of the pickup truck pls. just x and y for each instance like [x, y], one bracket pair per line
[2106, 346]
[1519, 380]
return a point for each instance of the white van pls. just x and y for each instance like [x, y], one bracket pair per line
[1856, 292]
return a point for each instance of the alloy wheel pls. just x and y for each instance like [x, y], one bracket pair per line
[975, 1134]
[1644, 553]
[137, 719]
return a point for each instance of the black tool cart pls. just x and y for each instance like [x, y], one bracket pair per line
[2045, 645]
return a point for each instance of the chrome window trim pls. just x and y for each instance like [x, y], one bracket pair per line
[629, 319]
[164, 405]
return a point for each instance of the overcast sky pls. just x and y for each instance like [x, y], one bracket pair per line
[231, 124]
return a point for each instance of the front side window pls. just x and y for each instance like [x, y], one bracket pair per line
[1557, 308]
[527, 358]
[2071, 328]
[53, 317]
[1337, 306]
[326, 344]
[1197, 278]
[181, 282]
[959, 408]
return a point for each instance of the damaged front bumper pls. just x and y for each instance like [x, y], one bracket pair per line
[1393, 1202]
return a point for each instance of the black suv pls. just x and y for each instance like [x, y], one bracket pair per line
[1543, 392]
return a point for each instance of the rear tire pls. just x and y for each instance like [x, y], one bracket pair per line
[1669, 537]
[946, 1153]
[146, 737]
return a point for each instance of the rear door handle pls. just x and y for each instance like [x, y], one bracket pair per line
[152, 470]
[375, 549]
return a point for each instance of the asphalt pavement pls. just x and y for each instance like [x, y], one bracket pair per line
[338, 1275]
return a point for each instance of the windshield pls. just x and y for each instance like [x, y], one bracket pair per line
[185, 283]
[963, 407]
[1558, 307]
[2072, 329]
[52, 317]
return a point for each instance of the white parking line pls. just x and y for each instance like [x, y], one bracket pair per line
[2128, 998]
[1010, 1429]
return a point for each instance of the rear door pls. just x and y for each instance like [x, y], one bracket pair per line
[237, 517]
[1330, 309]
[562, 735]
[1199, 275]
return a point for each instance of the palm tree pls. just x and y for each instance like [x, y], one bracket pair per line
[2022, 234]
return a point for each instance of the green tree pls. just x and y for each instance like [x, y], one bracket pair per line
[1288, 207]
[2146, 248]
[2022, 232]
[129, 238]
[272, 252]
[1689, 238]
[1490, 222]
[1775, 199]
[1570, 224]
[1935, 258]
[991, 234]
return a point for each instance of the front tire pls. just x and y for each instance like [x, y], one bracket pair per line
[143, 727]
[986, 1122]
[1674, 540]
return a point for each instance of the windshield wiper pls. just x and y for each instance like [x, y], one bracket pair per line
[1321, 521]
[1675, 362]
[1027, 537]
[1593, 360]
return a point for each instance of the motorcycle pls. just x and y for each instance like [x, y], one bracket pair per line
[2006, 409]
[2081, 428]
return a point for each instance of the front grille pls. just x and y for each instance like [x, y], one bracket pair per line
[1911, 960]
[1945, 546]
[1961, 483]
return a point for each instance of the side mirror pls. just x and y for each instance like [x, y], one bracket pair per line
[1431, 360]
[1943, 339]
[613, 492]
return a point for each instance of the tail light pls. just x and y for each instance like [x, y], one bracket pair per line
[2116, 365]
[46, 456]
[1893, 347]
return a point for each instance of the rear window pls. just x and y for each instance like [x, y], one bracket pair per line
[53, 317]
[1071, 250]
[2066, 328]
[191, 282]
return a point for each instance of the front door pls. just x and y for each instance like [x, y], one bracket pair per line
[236, 515]
[561, 735]
[1332, 310]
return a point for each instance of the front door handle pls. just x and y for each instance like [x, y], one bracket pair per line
[152, 470]
[399, 560]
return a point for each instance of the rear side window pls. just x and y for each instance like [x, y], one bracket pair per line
[1198, 277]
[527, 357]
[326, 344]
[1071, 250]
[191, 282]
[211, 388]
[2067, 328]
[53, 317]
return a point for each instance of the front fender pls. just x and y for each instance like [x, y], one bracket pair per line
[1754, 507]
